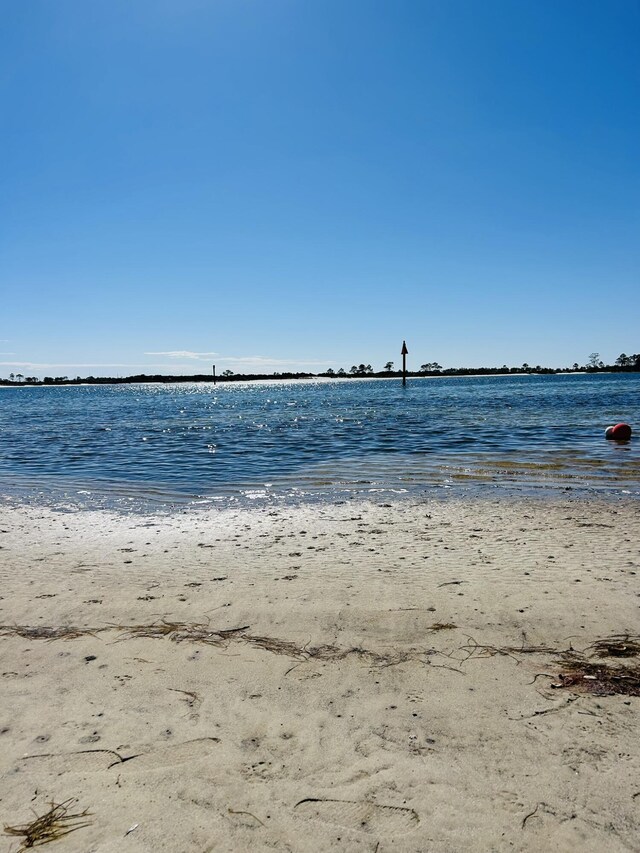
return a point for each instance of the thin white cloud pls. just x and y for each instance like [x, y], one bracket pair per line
[182, 353]
[252, 363]
[264, 361]
[75, 365]
[246, 360]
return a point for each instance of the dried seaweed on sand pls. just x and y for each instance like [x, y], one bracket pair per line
[480, 650]
[285, 647]
[180, 631]
[616, 646]
[601, 679]
[43, 632]
[200, 632]
[50, 826]
[277, 646]
[578, 672]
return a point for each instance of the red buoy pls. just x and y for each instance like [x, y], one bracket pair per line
[619, 432]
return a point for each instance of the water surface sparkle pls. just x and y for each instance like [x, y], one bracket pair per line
[177, 443]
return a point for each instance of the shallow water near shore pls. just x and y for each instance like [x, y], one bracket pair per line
[136, 446]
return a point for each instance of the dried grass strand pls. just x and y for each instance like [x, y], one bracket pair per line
[53, 824]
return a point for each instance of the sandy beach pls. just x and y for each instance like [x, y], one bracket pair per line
[357, 677]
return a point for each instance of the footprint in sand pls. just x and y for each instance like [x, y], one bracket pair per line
[360, 815]
[97, 760]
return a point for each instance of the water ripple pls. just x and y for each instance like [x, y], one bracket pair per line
[198, 441]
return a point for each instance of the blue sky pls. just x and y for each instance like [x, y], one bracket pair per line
[298, 184]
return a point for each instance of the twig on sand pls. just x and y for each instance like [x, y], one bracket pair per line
[531, 814]
[542, 675]
[237, 811]
[192, 699]
[544, 711]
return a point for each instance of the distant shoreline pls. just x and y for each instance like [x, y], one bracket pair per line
[469, 373]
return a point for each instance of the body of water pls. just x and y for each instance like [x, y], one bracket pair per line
[133, 445]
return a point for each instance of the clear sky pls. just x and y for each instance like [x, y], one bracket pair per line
[297, 184]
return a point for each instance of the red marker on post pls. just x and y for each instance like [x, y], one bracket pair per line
[404, 353]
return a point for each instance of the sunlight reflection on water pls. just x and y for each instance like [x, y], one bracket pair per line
[275, 441]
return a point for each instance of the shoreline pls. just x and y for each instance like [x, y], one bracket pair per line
[475, 480]
[334, 678]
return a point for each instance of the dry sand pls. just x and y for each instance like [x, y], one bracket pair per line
[348, 707]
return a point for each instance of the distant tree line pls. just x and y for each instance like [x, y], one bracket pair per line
[623, 364]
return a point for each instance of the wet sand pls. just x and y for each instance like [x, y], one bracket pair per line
[356, 677]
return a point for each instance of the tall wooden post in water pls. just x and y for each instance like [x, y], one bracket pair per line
[405, 353]
[214, 374]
